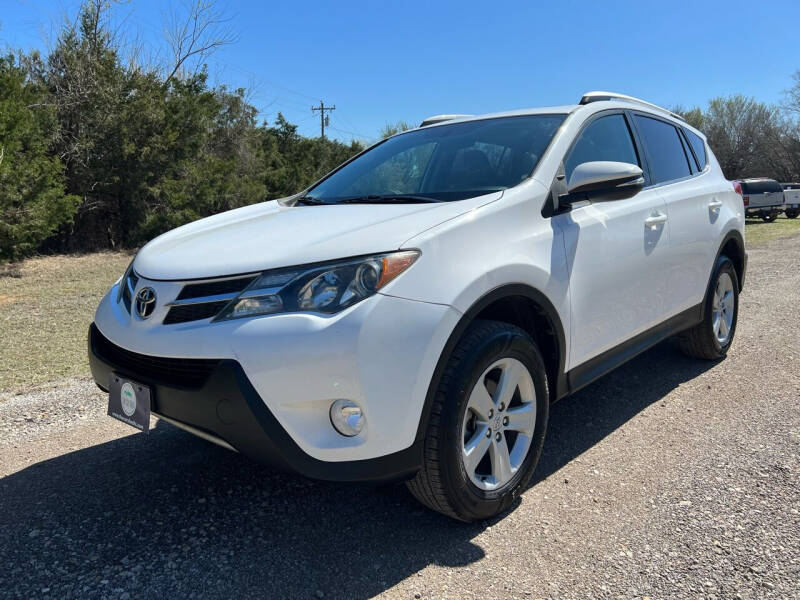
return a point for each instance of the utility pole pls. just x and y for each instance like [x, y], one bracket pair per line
[323, 118]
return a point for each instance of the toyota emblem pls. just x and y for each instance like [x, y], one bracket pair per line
[145, 302]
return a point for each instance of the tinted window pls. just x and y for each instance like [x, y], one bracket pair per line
[699, 147]
[664, 149]
[607, 138]
[446, 162]
[761, 186]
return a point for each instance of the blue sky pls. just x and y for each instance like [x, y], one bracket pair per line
[380, 62]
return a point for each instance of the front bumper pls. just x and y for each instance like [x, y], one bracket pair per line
[380, 353]
[216, 398]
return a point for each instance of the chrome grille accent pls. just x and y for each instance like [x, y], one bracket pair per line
[205, 299]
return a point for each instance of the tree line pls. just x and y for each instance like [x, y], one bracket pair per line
[99, 150]
[752, 138]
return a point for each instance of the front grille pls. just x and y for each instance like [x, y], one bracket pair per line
[205, 299]
[193, 312]
[212, 288]
[178, 372]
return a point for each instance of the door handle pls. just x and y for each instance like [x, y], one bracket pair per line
[715, 204]
[654, 220]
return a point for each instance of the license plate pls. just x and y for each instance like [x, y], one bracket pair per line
[129, 402]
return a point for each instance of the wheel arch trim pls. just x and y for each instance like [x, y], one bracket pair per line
[560, 386]
[738, 239]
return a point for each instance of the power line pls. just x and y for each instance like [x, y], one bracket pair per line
[323, 118]
[348, 123]
[361, 136]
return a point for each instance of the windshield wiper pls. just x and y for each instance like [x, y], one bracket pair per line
[392, 199]
[309, 201]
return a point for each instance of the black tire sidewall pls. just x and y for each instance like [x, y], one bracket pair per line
[724, 265]
[470, 501]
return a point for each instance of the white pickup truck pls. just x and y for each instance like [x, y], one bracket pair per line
[762, 198]
[791, 198]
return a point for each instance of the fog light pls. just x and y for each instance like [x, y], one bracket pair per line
[347, 417]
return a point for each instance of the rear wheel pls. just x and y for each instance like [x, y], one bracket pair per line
[769, 217]
[712, 337]
[792, 214]
[487, 424]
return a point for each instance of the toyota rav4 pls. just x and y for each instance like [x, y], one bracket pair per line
[413, 314]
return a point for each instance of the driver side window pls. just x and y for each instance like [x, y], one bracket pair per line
[607, 138]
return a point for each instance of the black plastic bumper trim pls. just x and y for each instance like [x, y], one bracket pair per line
[227, 406]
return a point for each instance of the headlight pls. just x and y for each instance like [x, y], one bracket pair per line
[327, 288]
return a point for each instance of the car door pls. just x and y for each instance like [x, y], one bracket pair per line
[693, 196]
[777, 195]
[616, 249]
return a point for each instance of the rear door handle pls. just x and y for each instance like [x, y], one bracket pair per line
[656, 219]
[715, 205]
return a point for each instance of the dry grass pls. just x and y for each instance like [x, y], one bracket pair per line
[46, 307]
[758, 232]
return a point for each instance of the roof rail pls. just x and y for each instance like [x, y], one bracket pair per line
[441, 119]
[600, 96]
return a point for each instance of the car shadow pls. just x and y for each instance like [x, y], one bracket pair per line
[170, 515]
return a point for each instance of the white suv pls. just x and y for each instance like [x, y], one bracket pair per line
[414, 313]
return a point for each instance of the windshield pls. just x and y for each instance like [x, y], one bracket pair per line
[448, 162]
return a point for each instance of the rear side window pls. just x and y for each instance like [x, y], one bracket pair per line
[607, 138]
[761, 186]
[699, 147]
[693, 167]
[664, 149]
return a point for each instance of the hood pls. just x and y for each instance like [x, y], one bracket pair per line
[272, 235]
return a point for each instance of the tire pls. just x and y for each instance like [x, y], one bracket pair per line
[792, 214]
[487, 352]
[769, 217]
[702, 340]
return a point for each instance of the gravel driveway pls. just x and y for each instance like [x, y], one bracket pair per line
[668, 478]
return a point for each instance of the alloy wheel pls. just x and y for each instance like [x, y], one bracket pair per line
[498, 425]
[722, 308]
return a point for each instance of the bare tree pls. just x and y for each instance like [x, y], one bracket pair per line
[745, 136]
[391, 129]
[195, 35]
[791, 103]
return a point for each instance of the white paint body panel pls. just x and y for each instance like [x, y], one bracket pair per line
[380, 352]
[617, 267]
[606, 274]
[270, 235]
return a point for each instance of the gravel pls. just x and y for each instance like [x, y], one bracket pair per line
[667, 478]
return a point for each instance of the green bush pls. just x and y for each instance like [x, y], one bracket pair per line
[33, 204]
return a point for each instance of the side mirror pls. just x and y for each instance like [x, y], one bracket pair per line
[605, 177]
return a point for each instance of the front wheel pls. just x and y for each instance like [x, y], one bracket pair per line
[792, 214]
[487, 424]
[712, 337]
